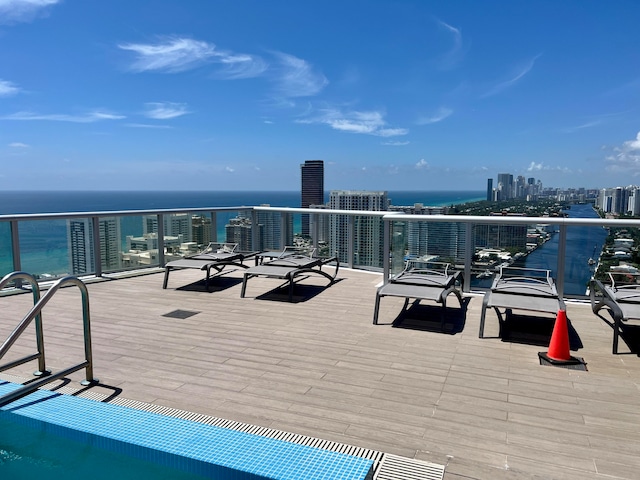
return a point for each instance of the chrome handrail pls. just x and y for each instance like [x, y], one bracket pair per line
[35, 312]
[35, 289]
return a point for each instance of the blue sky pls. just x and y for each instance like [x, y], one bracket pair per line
[392, 95]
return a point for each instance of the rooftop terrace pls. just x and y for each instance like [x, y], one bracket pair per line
[484, 408]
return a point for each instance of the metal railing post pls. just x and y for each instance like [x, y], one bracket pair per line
[161, 240]
[350, 239]
[97, 253]
[15, 250]
[213, 228]
[283, 229]
[468, 256]
[314, 219]
[254, 230]
[386, 250]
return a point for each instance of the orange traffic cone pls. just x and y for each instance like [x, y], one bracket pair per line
[558, 353]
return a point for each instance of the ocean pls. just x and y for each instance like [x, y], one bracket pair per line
[78, 201]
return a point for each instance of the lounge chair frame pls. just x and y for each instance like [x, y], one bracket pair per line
[516, 288]
[621, 299]
[289, 267]
[216, 256]
[435, 283]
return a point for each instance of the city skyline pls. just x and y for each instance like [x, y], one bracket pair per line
[234, 96]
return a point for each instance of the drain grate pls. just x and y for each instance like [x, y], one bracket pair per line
[181, 314]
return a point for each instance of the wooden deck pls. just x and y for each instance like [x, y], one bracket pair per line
[485, 408]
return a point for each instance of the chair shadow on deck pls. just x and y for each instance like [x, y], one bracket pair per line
[217, 284]
[301, 292]
[534, 330]
[630, 334]
[428, 318]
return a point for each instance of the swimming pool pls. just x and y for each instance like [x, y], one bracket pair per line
[27, 452]
[50, 424]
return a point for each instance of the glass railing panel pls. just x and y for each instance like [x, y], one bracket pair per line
[496, 245]
[620, 254]
[399, 247]
[134, 249]
[584, 247]
[368, 241]
[44, 251]
[6, 246]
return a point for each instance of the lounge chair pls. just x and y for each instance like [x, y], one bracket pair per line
[516, 288]
[216, 256]
[287, 251]
[621, 298]
[421, 281]
[288, 267]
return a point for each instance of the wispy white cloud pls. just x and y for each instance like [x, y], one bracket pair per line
[438, 116]
[295, 77]
[515, 78]
[237, 66]
[18, 145]
[171, 55]
[626, 157]
[595, 121]
[229, 169]
[536, 167]
[165, 110]
[395, 144]
[455, 53]
[7, 88]
[13, 11]
[422, 164]
[177, 54]
[90, 117]
[367, 122]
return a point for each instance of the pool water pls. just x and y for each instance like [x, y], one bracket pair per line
[27, 453]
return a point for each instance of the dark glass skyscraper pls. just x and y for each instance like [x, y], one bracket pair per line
[312, 174]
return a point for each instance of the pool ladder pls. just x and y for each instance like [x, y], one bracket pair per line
[35, 315]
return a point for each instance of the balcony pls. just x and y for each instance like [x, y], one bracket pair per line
[484, 408]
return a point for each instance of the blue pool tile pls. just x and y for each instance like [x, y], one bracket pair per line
[191, 446]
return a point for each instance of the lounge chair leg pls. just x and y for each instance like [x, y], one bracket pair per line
[244, 285]
[166, 277]
[376, 309]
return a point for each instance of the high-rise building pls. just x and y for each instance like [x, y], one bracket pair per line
[368, 231]
[201, 230]
[277, 233]
[489, 189]
[174, 225]
[80, 237]
[239, 230]
[312, 190]
[505, 186]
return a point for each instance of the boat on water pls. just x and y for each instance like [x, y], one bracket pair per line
[485, 274]
[591, 260]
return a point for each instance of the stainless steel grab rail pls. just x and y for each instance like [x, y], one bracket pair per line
[35, 313]
[35, 289]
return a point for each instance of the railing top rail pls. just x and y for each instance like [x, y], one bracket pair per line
[326, 211]
[116, 213]
[385, 215]
[498, 219]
